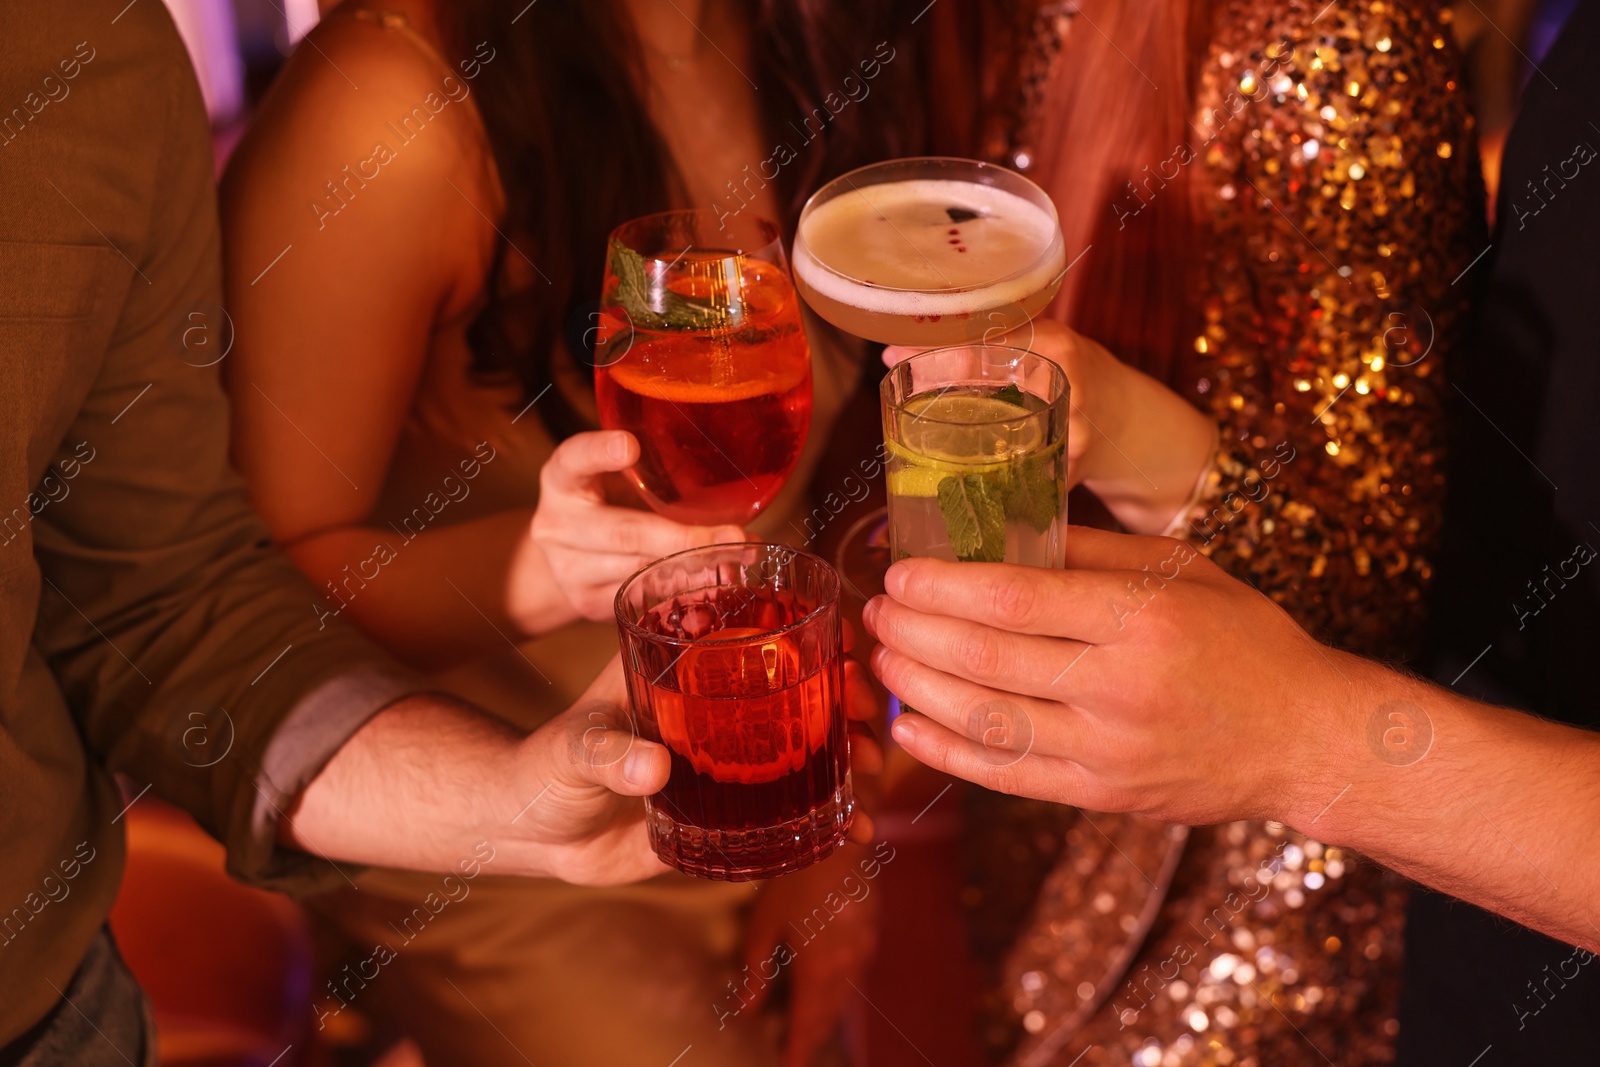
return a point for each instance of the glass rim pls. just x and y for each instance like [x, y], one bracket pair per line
[975, 164]
[699, 214]
[1055, 373]
[632, 627]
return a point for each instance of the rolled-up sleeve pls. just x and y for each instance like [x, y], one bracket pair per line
[189, 649]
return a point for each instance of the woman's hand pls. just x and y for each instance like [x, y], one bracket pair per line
[821, 926]
[1131, 441]
[585, 547]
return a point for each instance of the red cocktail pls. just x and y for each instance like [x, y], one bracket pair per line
[703, 358]
[733, 663]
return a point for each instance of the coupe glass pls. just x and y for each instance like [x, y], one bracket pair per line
[929, 251]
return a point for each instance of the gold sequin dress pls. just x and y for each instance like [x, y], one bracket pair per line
[1342, 208]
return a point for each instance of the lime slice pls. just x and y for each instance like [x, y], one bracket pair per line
[967, 430]
[959, 433]
[914, 480]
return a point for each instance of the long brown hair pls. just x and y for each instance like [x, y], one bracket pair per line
[577, 154]
[1115, 104]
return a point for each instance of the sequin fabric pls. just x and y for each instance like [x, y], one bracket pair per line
[1334, 142]
[1340, 178]
[1050, 25]
[1265, 950]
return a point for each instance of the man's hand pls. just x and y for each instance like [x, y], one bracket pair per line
[1144, 679]
[590, 768]
[1140, 679]
[584, 773]
[428, 778]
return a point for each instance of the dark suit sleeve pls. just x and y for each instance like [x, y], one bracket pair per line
[188, 648]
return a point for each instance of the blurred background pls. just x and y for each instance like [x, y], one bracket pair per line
[237, 47]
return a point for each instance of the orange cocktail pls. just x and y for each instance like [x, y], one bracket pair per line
[702, 357]
[733, 660]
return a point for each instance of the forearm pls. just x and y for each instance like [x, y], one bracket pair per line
[1499, 808]
[417, 787]
[1149, 470]
[440, 596]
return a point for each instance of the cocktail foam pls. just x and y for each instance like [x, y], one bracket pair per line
[928, 247]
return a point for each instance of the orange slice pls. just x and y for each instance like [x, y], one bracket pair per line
[742, 713]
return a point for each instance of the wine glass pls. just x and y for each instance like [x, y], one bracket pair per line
[701, 355]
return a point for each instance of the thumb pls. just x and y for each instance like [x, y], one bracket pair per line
[602, 746]
[603, 750]
[581, 459]
[897, 353]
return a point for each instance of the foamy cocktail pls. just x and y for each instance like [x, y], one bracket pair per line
[929, 251]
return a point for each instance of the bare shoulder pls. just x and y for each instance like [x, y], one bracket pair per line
[371, 130]
[363, 97]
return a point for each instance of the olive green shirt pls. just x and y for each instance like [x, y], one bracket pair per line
[147, 626]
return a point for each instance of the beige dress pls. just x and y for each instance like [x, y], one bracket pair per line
[500, 970]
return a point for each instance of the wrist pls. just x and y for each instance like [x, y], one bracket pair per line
[415, 787]
[535, 601]
[514, 789]
[1148, 474]
[1143, 510]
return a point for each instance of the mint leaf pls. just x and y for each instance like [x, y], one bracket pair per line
[1033, 491]
[974, 518]
[639, 299]
[1011, 394]
[960, 516]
